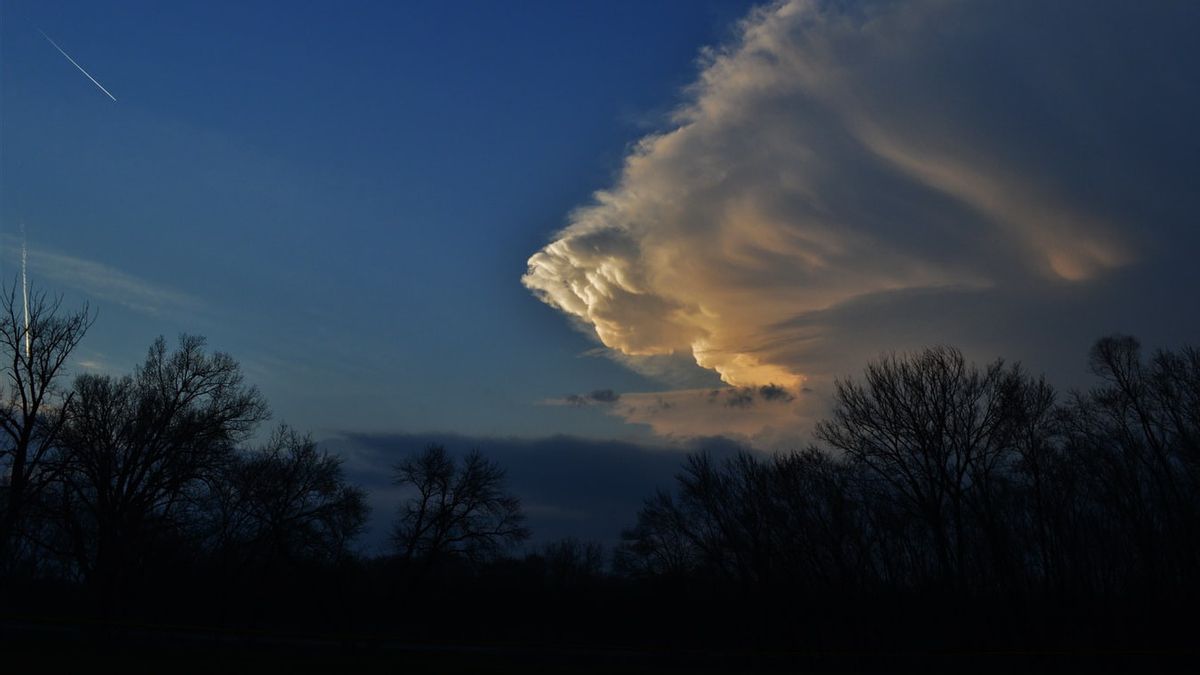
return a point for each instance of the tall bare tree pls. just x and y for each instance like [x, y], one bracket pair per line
[136, 449]
[1138, 433]
[939, 434]
[36, 340]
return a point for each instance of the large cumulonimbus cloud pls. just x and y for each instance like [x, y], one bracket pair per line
[839, 157]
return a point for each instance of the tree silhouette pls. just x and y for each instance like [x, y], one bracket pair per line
[939, 435]
[286, 502]
[570, 562]
[791, 519]
[661, 544]
[1138, 431]
[460, 509]
[137, 450]
[36, 339]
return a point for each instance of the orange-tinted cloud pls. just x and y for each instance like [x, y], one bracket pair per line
[835, 157]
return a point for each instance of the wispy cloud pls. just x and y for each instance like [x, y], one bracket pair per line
[100, 281]
[92, 361]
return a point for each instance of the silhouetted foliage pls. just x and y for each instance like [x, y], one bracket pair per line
[460, 508]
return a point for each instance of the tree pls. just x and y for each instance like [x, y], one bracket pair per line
[791, 519]
[1137, 437]
[460, 509]
[36, 339]
[137, 450]
[660, 544]
[287, 502]
[820, 517]
[938, 435]
[570, 562]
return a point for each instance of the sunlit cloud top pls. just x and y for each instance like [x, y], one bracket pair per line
[833, 154]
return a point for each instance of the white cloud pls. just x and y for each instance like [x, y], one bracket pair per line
[99, 280]
[841, 162]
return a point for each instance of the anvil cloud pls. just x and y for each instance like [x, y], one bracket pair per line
[837, 156]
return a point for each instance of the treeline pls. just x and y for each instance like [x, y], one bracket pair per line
[118, 488]
[932, 474]
[950, 506]
[942, 506]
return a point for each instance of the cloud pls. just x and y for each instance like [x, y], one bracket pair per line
[93, 361]
[768, 417]
[744, 397]
[675, 370]
[765, 417]
[774, 392]
[99, 280]
[599, 396]
[840, 163]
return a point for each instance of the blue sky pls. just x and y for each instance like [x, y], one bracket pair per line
[541, 227]
[344, 196]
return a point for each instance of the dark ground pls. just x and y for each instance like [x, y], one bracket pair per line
[70, 646]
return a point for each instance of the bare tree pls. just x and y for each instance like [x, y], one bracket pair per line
[36, 340]
[285, 502]
[791, 519]
[460, 508]
[1136, 436]
[662, 543]
[136, 450]
[570, 562]
[820, 519]
[940, 435]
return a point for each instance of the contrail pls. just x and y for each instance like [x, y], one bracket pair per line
[60, 51]
[25, 293]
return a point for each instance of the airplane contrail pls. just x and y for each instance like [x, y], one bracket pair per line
[25, 293]
[60, 51]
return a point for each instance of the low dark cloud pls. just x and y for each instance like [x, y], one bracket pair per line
[745, 397]
[569, 486]
[738, 398]
[774, 392]
[598, 396]
[604, 396]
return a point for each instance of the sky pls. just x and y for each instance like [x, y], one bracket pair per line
[550, 228]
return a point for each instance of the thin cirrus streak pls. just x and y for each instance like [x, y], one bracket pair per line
[74, 63]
